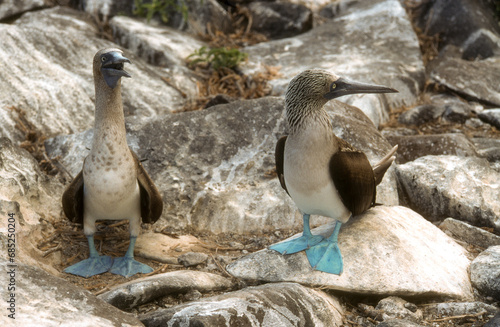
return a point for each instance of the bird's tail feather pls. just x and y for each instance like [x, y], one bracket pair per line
[381, 167]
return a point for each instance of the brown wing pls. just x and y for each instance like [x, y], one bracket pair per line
[279, 156]
[151, 200]
[353, 177]
[72, 200]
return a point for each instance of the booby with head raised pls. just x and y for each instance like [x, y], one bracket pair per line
[113, 184]
[323, 174]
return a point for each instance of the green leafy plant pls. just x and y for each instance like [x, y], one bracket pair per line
[161, 7]
[217, 57]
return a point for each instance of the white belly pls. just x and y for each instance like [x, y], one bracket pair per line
[307, 176]
[324, 202]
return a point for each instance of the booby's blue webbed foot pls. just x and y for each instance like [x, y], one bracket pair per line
[325, 256]
[127, 266]
[301, 243]
[94, 265]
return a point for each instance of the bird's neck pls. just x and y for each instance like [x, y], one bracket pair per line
[307, 116]
[109, 117]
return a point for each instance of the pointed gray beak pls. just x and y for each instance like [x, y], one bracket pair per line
[343, 86]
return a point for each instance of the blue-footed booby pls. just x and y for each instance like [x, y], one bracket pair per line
[113, 184]
[323, 174]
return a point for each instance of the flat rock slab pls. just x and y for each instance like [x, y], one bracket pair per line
[386, 251]
[45, 300]
[416, 146]
[282, 304]
[475, 79]
[164, 248]
[464, 188]
[470, 234]
[143, 290]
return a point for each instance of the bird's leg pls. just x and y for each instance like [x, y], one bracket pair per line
[301, 243]
[94, 265]
[127, 266]
[326, 256]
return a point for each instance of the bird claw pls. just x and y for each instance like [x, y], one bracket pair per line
[128, 266]
[91, 266]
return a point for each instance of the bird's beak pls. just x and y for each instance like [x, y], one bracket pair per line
[112, 69]
[343, 86]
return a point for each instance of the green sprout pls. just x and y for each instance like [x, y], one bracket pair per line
[217, 57]
[161, 7]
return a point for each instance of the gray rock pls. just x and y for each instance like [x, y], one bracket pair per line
[491, 116]
[332, 10]
[494, 322]
[143, 290]
[278, 20]
[473, 79]
[221, 160]
[457, 112]
[107, 9]
[470, 234]
[488, 148]
[396, 308]
[23, 182]
[462, 23]
[45, 300]
[421, 114]
[282, 304]
[10, 8]
[416, 146]
[450, 309]
[204, 13]
[358, 45]
[192, 259]
[51, 78]
[399, 323]
[158, 45]
[464, 188]
[485, 272]
[385, 252]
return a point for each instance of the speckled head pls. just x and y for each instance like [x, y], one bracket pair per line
[109, 63]
[316, 85]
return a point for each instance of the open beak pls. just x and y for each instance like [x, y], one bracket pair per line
[112, 69]
[343, 86]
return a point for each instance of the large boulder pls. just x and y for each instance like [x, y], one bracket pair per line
[215, 167]
[386, 251]
[476, 80]
[469, 24]
[464, 188]
[282, 304]
[44, 300]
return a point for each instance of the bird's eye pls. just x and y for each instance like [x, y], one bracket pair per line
[333, 86]
[103, 58]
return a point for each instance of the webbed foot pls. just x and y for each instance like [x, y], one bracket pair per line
[92, 266]
[128, 266]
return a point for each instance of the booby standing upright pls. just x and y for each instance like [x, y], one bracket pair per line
[113, 184]
[323, 174]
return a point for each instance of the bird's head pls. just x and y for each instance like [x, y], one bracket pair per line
[316, 87]
[109, 63]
